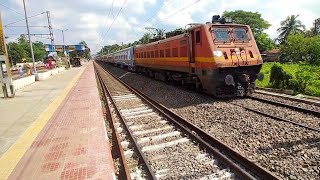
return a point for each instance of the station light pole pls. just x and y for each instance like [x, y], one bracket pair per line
[64, 49]
[31, 48]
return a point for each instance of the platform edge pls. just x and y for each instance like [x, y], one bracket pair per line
[10, 159]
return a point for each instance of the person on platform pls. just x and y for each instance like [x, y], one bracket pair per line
[27, 67]
[50, 63]
[20, 70]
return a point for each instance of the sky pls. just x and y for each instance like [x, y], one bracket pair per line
[105, 22]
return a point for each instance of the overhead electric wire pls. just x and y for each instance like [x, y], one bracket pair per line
[105, 23]
[12, 9]
[26, 26]
[176, 12]
[157, 12]
[115, 18]
[113, 21]
[24, 19]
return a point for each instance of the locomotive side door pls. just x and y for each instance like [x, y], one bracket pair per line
[192, 59]
[194, 47]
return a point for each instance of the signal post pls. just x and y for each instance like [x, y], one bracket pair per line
[6, 78]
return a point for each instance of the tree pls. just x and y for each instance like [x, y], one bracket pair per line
[291, 25]
[16, 52]
[86, 54]
[160, 33]
[313, 50]
[25, 45]
[38, 51]
[310, 33]
[295, 49]
[264, 42]
[256, 23]
[254, 20]
[146, 38]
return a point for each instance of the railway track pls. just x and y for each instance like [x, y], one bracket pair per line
[281, 104]
[278, 111]
[155, 143]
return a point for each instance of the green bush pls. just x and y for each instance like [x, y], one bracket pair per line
[300, 77]
[278, 77]
[313, 90]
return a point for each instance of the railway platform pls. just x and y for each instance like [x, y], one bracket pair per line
[61, 137]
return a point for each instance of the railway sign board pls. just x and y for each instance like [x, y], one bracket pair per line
[2, 58]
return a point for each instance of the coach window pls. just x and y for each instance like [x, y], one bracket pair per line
[161, 53]
[184, 51]
[198, 40]
[152, 54]
[168, 53]
[145, 55]
[175, 52]
[148, 54]
[156, 53]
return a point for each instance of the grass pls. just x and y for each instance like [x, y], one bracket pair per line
[313, 88]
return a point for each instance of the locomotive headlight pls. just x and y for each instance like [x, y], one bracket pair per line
[229, 79]
[217, 53]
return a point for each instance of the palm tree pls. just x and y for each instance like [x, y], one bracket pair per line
[288, 26]
[146, 38]
[160, 33]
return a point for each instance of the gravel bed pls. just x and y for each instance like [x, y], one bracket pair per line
[289, 102]
[281, 112]
[183, 162]
[142, 120]
[146, 121]
[165, 131]
[160, 141]
[289, 151]
[129, 104]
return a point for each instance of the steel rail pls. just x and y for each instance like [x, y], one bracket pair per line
[223, 152]
[289, 97]
[130, 133]
[126, 173]
[277, 118]
[293, 107]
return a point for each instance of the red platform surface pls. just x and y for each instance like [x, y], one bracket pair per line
[73, 144]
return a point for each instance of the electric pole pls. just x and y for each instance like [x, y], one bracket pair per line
[50, 29]
[31, 48]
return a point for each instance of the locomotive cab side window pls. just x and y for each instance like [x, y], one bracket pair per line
[198, 37]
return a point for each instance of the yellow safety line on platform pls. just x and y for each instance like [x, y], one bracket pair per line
[12, 156]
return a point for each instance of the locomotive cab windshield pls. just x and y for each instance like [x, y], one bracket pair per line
[221, 35]
[240, 34]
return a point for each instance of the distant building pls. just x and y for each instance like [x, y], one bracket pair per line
[271, 56]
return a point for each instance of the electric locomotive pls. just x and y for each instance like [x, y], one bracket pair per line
[218, 58]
